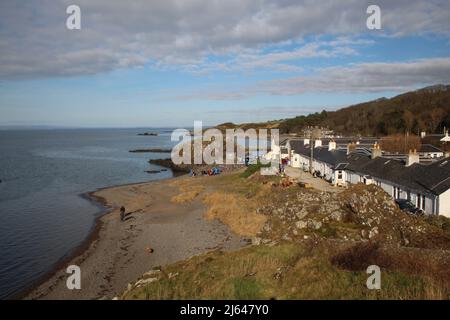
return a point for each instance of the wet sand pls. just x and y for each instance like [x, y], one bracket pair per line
[119, 253]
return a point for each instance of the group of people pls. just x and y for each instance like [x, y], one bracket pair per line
[209, 172]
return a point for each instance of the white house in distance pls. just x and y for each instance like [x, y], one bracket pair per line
[426, 185]
[446, 137]
[430, 151]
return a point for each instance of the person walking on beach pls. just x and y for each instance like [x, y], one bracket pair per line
[122, 213]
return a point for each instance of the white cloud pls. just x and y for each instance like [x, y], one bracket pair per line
[366, 77]
[35, 43]
[358, 78]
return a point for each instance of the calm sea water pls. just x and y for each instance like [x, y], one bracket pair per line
[44, 172]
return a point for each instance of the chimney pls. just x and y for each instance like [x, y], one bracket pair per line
[412, 158]
[423, 134]
[376, 151]
[331, 145]
[305, 141]
[317, 143]
[350, 148]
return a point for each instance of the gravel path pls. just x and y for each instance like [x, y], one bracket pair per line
[317, 183]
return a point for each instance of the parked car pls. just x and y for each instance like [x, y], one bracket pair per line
[408, 206]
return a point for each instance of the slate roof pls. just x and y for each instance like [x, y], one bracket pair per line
[434, 177]
[333, 157]
[429, 148]
[343, 141]
[430, 178]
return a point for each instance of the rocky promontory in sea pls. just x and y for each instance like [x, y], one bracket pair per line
[168, 163]
[148, 134]
[151, 150]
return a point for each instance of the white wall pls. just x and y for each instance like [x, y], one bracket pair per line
[300, 161]
[429, 205]
[295, 161]
[444, 204]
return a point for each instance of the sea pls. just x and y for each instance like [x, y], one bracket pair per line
[45, 174]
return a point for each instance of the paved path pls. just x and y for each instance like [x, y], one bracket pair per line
[317, 183]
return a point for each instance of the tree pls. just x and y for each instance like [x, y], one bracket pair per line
[408, 119]
[436, 116]
[400, 143]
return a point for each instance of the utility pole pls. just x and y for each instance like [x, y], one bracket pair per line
[315, 133]
[311, 154]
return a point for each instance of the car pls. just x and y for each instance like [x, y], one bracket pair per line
[408, 207]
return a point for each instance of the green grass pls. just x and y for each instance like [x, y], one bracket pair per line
[251, 169]
[246, 289]
[286, 271]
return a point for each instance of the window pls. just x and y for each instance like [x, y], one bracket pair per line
[397, 192]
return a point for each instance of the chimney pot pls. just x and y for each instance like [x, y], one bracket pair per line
[412, 158]
[331, 145]
[317, 143]
[376, 151]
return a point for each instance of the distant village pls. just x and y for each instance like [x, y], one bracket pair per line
[421, 177]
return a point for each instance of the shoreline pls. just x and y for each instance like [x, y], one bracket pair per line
[84, 245]
[46, 285]
[77, 251]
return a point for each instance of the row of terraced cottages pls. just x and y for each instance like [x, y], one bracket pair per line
[426, 186]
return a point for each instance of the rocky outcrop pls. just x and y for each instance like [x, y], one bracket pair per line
[168, 163]
[151, 150]
[148, 134]
[359, 213]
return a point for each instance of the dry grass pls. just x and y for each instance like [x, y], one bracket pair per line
[316, 269]
[430, 264]
[185, 197]
[235, 211]
[188, 191]
[288, 271]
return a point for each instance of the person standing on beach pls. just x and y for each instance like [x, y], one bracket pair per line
[122, 213]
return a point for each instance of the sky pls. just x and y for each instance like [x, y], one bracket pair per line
[142, 63]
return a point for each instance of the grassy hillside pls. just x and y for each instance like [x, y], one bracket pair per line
[307, 244]
[304, 270]
[426, 109]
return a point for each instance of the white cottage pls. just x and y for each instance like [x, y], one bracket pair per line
[426, 185]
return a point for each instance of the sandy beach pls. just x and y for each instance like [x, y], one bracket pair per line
[118, 253]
